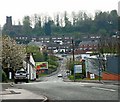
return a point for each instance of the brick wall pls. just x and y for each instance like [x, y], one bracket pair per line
[109, 76]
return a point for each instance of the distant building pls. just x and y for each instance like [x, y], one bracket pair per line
[87, 46]
[11, 29]
[56, 44]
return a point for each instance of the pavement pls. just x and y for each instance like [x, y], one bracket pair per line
[110, 82]
[9, 92]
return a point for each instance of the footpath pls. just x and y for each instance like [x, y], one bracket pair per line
[107, 82]
[8, 92]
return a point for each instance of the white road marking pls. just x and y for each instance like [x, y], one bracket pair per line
[71, 83]
[104, 89]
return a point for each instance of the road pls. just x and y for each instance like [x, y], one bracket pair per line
[59, 90]
[56, 89]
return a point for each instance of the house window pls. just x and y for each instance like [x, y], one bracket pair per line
[81, 48]
[90, 48]
[66, 37]
[22, 37]
[59, 38]
[53, 38]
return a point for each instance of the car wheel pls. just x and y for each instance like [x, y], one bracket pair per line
[27, 81]
[15, 82]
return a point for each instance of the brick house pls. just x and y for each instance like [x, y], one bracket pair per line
[86, 46]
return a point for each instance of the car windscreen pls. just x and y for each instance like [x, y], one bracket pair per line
[21, 71]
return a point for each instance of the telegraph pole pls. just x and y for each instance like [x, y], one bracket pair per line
[73, 57]
[99, 58]
[73, 50]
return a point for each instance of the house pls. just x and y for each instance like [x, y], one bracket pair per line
[29, 66]
[107, 68]
[94, 65]
[86, 46]
[112, 71]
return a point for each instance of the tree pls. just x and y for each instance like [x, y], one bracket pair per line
[37, 30]
[66, 20]
[74, 18]
[47, 28]
[12, 53]
[101, 20]
[27, 25]
[113, 16]
[103, 32]
[57, 20]
[78, 22]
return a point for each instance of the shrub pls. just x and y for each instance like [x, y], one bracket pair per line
[52, 62]
[71, 77]
[4, 76]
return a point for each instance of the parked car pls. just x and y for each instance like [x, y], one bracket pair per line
[21, 76]
[64, 55]
[59, 75]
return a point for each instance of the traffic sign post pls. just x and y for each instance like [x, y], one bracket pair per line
[77, 69]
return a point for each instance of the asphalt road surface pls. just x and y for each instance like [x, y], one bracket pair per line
[56, 89]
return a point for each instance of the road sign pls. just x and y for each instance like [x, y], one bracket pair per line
[77, 68]
[41, 65]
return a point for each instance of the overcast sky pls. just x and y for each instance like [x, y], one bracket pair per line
[20, 8]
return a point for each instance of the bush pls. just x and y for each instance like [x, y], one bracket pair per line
[54, 58]
[52, 66]
[52, 62]
[4, 76]
[71, 77]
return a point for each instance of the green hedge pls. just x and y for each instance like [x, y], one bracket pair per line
[4, 76]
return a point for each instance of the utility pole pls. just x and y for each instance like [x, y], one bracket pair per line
[99, 57]
[99, 67]
[73, 56]
[73, 50]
